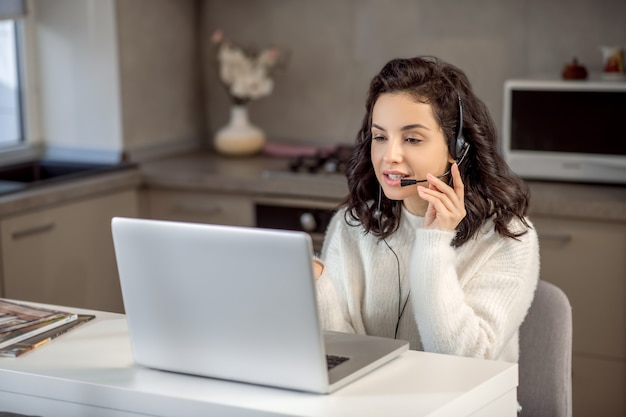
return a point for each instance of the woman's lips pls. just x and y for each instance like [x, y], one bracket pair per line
[393, 178]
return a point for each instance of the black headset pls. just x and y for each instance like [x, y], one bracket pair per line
[460, 145]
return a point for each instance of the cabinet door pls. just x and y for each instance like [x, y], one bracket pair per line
[599, 387]
[64, 254]
[587, 259]
[200, 207]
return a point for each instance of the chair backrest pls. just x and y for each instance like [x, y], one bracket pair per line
[545, 360]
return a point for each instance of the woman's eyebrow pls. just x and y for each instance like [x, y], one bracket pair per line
[374, 125]
[403, 128]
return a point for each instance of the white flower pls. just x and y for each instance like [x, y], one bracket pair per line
[247, 76]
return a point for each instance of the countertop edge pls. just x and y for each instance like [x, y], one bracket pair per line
[47, 195]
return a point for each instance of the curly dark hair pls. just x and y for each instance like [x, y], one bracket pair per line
[491, 188]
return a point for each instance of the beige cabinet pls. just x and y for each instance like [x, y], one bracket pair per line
[199, 207]
[587, 259]
[64, 254]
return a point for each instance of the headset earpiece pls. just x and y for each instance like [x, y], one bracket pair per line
[461, 147]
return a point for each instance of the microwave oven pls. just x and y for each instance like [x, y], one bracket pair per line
[565, 130]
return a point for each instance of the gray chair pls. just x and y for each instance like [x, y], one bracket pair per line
[545, 360]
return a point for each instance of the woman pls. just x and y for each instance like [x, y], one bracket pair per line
[432, 245]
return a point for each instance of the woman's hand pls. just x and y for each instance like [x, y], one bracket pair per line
[446, 205]
[318, 268]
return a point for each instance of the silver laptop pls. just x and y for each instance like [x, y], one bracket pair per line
[234, 303]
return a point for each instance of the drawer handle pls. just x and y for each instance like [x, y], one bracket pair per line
[556, 239]
[31, 231]
[205, 211]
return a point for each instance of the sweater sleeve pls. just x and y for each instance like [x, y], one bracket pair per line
[475, 305]
[335, 292]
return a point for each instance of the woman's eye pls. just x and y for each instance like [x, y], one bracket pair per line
[413, 140]
[378, 138]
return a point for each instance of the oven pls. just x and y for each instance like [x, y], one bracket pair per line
[307, 216]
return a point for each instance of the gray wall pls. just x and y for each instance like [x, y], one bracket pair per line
[336, 46]
[160, 73]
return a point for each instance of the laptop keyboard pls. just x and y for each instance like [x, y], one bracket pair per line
[333, 360]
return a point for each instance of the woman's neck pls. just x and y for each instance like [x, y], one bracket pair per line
[415, 205]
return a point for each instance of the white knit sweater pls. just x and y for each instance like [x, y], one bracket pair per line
[466, 301]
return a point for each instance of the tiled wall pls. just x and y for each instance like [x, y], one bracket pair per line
[336, 46]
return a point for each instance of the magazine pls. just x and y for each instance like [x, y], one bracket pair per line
[19, 321]
[42, 339]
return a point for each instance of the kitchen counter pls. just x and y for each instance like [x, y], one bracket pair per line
[258, 176]
[268, 176]
[594, 202]
[71, 189]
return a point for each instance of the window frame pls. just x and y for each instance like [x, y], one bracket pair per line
[30, 144]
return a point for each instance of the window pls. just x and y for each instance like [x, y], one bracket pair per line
[11, 88]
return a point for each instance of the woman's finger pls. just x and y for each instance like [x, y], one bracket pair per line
[457, 182]
[437, 184]
[435, 196]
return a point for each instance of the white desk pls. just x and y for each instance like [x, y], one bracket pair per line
[90, 372]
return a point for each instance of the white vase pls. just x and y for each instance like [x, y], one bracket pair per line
[239, 137]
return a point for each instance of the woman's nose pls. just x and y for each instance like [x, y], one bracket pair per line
[393, 152]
